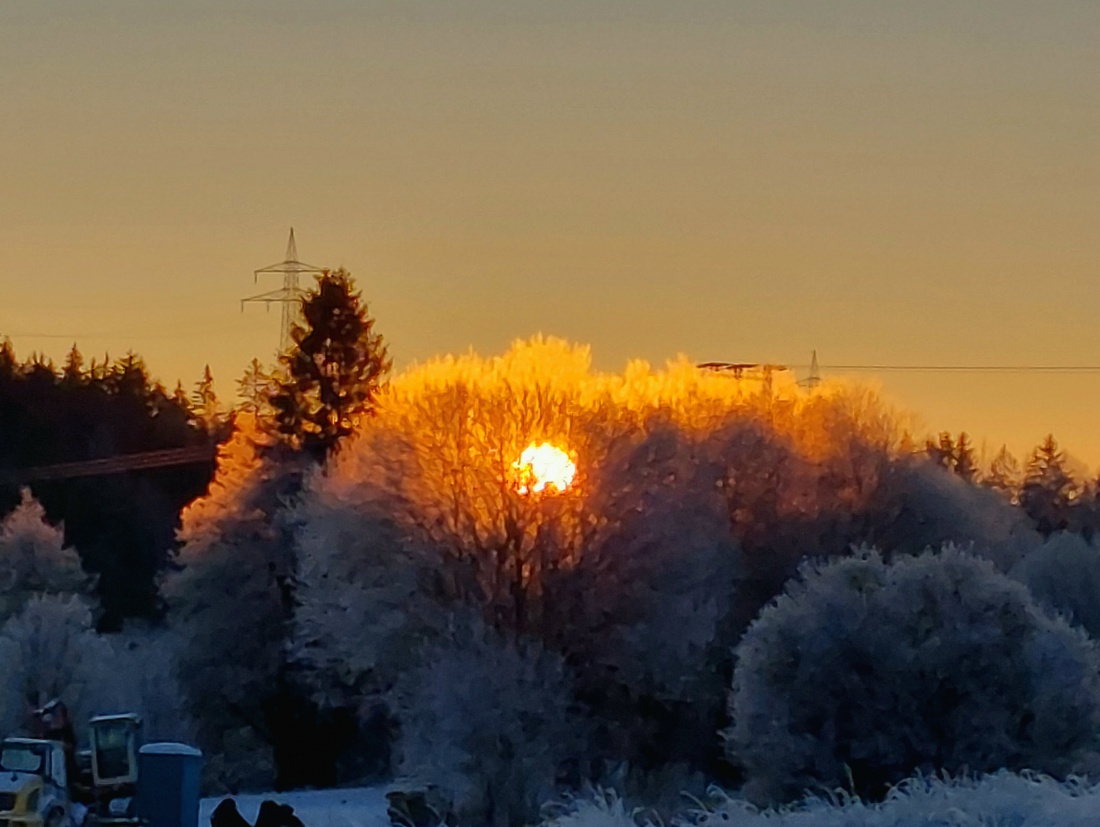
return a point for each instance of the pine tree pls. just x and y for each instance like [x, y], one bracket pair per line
[333, 369]
[204, 402]
[965, 464]
[72, 375]
[254, 388]
[1049, 490]
[180, 397]
[8, 364]
[942, 452]
[1004, 474]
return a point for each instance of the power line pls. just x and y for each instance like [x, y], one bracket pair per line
[963, 368]
[115, 464]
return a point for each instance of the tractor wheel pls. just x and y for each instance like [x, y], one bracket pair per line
[56, 818]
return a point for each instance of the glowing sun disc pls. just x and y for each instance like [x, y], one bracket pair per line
[542, 466]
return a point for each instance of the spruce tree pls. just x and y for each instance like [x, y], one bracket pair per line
[254, 387]
[72, 375]
[1049, 489]
[965, 464]
[204, 402]
[1004, 474]
[332, 371]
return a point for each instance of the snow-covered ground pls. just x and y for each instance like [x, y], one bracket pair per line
[1000, 800]
[358, 807]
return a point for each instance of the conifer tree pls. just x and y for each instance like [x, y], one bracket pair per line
[333, 369]
[1004, 474]
[1049, 489]
[72, 374]
[254, 388]
[965, 465]
[942, 452]
[8, 364]
[204, 402]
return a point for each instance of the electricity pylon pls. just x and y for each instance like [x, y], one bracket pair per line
[814, 379]
[290, 294]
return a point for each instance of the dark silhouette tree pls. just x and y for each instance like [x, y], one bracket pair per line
[333, 369]
[942, 452]
[72, 374]
[1049, 490]
[956, 456]
[122, 524]
[1004, 474]
[965, 464]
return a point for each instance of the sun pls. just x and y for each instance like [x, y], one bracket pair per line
[542, 467]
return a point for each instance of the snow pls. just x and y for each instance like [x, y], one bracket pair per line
[353, 807]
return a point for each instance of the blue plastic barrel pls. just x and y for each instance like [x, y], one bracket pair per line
[168, 784]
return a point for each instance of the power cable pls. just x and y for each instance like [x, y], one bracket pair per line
[962, 368]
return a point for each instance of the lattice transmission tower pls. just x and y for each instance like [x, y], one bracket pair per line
[290, 294]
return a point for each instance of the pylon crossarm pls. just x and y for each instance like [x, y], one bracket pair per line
[290, 267]
[280, 295]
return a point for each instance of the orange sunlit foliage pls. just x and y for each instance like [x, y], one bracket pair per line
[440, 454]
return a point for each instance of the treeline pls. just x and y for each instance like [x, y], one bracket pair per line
[370, 587]
[416, 611]
[122, 524]
[1044, 487]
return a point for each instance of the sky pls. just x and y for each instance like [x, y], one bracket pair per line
[888, 183]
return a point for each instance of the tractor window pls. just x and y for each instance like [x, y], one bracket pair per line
[112, 752]
[20, 759]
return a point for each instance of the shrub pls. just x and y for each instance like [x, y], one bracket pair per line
[1064, 574]
[862, 673]
[487, 720]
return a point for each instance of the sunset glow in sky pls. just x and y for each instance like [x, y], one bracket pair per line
[884, 182]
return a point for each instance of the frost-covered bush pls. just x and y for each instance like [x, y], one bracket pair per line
[34, 559]
[1064, 574]
[487, 720]
[365, 602]
[1000, 800]
[144, 662]
[661, 554]
[920, 505]
[228, 599]
[862, 673]
[51, 650]
[643, 612]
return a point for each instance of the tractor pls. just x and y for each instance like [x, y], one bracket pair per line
[114, 770]
[44, 782]
[34, 789]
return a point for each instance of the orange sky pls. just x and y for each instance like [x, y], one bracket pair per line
[886, 182]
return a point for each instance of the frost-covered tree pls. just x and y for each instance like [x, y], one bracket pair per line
[644, 612]
[51, 650]
[677, 472]
[146, 681]
[1063, 573]
[488, 720]
[34, 559]
[919, 505]
[229, 600]
[368, 597]
[864, 673]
